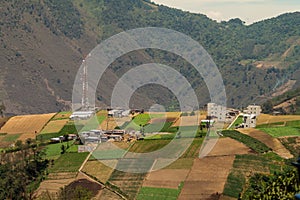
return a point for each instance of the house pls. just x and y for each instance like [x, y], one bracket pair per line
[82, 115]
[215, 111]
[249, 121]
[253, 109]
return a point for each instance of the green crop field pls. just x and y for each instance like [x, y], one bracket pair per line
[11, 137]
[68, 162]
[253, 143]
[150, 193]
[281, 131]
[158, 127]
[234, 184]
[145, 146]
[140, 120]
[53, 151]
[248, 165]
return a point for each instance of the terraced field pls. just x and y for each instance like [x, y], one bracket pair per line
[26, 124]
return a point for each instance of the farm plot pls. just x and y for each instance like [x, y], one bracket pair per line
[209, 174]
[245, 166]
[98, 170]
[271, 142]
[128, 183]
[166, 178]
[68, 162]
[281, 131]
[112, 123]
[292, 144]
[26, 124]
[251, 142]
[269, 119]
[54, 126]
[55, 181]
[207, 177]
[62, 115]
[147, 193]
[189, 120]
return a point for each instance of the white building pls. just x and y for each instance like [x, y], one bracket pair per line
[249, 121]
[216, 111]
[82, 115]
[253, 110]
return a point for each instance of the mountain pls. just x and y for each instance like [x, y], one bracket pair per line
[43, 43]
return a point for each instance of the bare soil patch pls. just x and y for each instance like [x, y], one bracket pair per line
[271, 142]
[166, 178]
[207, 177]
[228, 146]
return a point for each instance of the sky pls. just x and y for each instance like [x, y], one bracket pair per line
[249, 11]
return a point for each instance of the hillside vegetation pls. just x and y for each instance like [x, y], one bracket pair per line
[44, 41]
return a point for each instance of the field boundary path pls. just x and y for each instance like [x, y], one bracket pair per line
[270, 141]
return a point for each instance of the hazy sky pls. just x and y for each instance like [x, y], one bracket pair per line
[248, 10]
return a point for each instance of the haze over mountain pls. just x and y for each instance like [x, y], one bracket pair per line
[43, 43]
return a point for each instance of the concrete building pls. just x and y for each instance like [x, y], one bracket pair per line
[249, 121]
[215, 111]
[82, 115]
[253, 110]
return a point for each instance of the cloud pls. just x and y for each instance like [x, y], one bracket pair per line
[215, 15]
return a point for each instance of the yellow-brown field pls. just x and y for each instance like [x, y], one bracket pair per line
[266, 119]
[29, 124]
[62, 115]
[54, 126]
[189, 120]
[112, 123]
[98, 170]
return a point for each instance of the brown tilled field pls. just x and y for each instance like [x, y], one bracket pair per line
[54, 126]
[267, 139]
[208, 175]
[266, 119]
[55, 182]
[166, 178]
[26, 124]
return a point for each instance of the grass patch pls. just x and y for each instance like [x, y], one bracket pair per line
[53, 151]
[11, 137]
[140, 120]
[145, 146]
[281, 131]
[238, 121]
[158, 127]
[252, 143]
[150, 193]
[47, 136]
[68, 162]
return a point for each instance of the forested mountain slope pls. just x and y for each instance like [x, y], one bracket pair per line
[44, 41]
